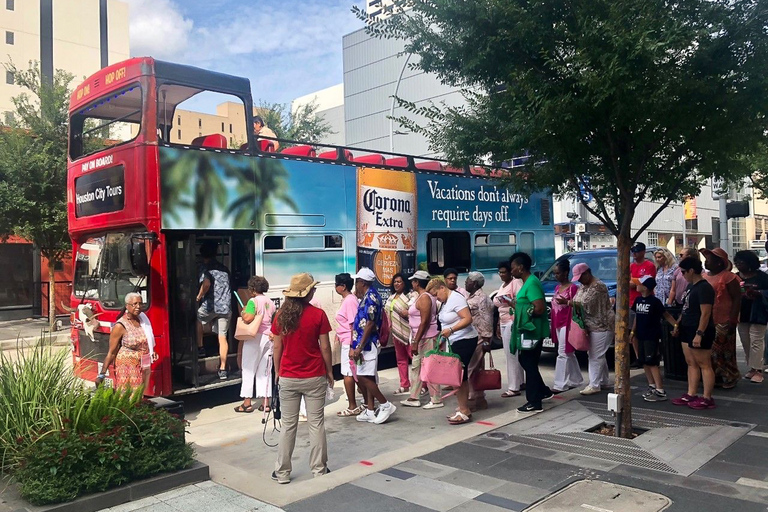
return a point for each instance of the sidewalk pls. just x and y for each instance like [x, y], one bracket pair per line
[29, 331]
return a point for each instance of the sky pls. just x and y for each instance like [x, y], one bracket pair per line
[286, 48]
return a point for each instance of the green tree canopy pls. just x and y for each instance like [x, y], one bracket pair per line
[302, 124]
[632, 100]
[33, 165]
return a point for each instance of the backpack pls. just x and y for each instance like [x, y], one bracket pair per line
[384, 330]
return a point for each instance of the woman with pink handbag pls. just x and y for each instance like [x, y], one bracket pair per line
[256, 351]
[567, 371]
[456, 321]
[599, 320]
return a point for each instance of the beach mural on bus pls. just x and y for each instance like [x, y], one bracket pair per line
[383, 215]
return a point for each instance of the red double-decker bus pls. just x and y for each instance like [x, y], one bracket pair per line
[151, 179]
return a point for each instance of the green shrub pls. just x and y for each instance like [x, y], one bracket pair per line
[35, 388]
[130, 444]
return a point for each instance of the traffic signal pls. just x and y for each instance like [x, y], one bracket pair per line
[735, 209]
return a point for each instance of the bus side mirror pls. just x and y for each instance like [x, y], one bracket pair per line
[138, 257]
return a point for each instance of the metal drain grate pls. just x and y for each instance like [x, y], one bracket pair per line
[651, 418]
[614, 449]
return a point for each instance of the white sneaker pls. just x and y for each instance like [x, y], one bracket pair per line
[433, 405]
[408, 402]
[385, 411]
[589, 391]
[366, 416]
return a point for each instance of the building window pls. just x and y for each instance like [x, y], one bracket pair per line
[448, 249]
[8, 37]
[8, 118]
[178, 119]
[199, 123]
[9, 4]
[179, 134]
[230, 128]
[653, 239]
[222, 127]
[739, 234]
[9, 77]
[231, 142]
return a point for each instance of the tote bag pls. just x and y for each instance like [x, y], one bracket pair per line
[442, 368]
[487, 380]
[578, 337]
[244, 331]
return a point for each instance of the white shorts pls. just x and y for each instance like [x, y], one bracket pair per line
[368, 366]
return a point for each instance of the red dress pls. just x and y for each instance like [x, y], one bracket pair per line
[128, 361]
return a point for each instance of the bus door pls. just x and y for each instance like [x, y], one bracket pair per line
[195, 367]
[182, 309]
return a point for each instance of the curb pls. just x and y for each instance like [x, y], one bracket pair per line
[196, 473]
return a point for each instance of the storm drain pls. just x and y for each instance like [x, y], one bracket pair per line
[614, 449]
[651, 418]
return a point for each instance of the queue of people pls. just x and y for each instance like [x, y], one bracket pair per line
[292, 349]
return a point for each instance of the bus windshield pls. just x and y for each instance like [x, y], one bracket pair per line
[103, 270]
[109, 121]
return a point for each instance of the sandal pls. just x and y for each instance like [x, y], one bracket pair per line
[267, 409]
[346, 413]
[244, 408]
[510, 394]
[459, 418]
[261, 407]
[402, 391]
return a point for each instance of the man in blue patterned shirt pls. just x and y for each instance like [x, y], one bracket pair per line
[364, 350]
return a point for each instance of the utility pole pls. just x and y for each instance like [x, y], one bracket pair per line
[725, 241]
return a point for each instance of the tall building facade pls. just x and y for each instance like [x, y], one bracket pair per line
[330, 108]
[78, 36]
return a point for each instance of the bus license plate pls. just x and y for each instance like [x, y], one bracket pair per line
[548, 343]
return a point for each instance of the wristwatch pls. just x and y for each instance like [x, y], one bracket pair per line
[700, 333]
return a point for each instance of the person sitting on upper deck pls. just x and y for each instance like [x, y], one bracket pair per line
[259, 128]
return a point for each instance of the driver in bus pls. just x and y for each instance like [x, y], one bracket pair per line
[214, 303]
[259, 128]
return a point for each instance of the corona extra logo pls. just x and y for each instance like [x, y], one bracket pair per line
[387, 241]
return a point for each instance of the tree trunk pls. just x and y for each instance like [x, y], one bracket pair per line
[622, 334]
[51, 295]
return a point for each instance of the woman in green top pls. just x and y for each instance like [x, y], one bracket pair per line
[529, 328]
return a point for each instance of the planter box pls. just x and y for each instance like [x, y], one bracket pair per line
[196, 473]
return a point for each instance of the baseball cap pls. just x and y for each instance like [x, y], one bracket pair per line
[365, 274]
[647, 281]
[578, 270]
[420, 274]
[638, 247]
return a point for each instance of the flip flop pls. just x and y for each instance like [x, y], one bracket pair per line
[510, 394]
[459, 418]
[243, 408]
[261, 407]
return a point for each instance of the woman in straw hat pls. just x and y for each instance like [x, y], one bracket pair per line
[725, 313]
[303, 370]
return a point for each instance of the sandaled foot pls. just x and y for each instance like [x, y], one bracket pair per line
[459, 418]
[244, 408]
[350, 412]
[510, 393]
[402, 391]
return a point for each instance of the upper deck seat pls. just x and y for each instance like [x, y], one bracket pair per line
[215, 140]
[334, 155]
[303, 150]
[431, 165]
[400, 161]
[373, 159]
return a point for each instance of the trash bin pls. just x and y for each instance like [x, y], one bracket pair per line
[675, 367]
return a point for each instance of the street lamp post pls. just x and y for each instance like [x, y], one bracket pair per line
[392, 107]
[682, 225]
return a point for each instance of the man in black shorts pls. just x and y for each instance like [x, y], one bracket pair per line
[646, 335]
[696, 331]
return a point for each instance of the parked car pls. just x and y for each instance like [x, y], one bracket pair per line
[602, 262]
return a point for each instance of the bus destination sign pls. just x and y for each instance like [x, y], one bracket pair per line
[100, 192]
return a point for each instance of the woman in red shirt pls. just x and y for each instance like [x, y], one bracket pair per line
[302, 359]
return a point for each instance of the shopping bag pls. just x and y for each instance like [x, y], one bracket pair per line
[487, 380]
[578, 337]
[385, 330]
[442, 368]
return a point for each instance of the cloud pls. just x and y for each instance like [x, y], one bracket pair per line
[287, 49]
[158, 28]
